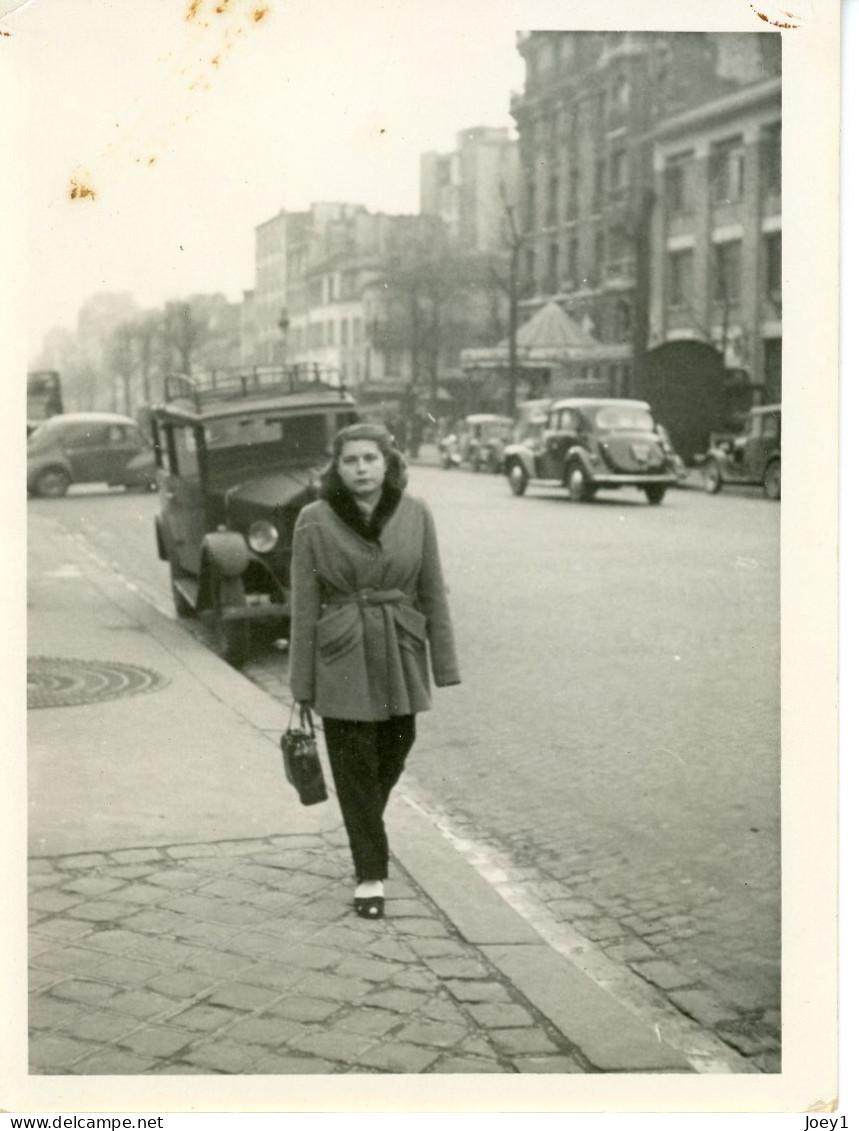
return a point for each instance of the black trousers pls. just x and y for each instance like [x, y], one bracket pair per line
[366, 761]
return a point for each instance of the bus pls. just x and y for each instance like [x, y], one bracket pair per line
[44, 396]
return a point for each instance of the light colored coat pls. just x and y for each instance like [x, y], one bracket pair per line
[363, 613]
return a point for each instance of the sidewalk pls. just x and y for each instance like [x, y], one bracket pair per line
[188, 916]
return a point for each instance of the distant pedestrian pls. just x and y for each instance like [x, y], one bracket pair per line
[368, 595]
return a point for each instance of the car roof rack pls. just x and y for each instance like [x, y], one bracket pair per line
[258, 383]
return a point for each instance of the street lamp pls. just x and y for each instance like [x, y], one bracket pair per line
[283, 326]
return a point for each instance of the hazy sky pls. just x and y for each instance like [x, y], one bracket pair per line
[192, 125]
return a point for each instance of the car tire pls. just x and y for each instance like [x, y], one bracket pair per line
[53, 483]
[655, 493]
[579, 487]
[712, 477]
[517, 477]
[772, 480]
[232, 637]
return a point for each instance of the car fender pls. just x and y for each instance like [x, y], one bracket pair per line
[227, 552]
[580, 456]
[720, 457]
[47, 463]
[522, 454]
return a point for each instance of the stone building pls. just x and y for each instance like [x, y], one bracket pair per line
[716, 236]
[586, 118]
[466, 188]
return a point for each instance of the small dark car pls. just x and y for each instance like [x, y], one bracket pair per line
[588, 445]
[88, 447]
[752, 458]
[236, 461]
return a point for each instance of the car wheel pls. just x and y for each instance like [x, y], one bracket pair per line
[772, 480]
[233, 637]
[53, 483]
[579, 488]
[712, 477]
[517, 477]
[655, 493]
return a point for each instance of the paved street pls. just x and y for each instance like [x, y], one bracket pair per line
[611, 760]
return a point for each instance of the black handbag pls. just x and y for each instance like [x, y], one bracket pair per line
[301, 762]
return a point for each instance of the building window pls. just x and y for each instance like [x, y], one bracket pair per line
[677, 184]
[619, 170]
[622, 321]
[552, 201]
[356, 331]
[545, 55]
[329, 333]
[599, 110]
[573, 262]
[552, 273]
[772, 265]
[574, 128]
[620, 93]
[771, 158]
[599, 257]
[620, 254]
[680, 277]
[726, 271]
[530, 206]
[599, 185]
[772, 368]
[573, 195]
[530, 270]
[727, 164]
[344, 332]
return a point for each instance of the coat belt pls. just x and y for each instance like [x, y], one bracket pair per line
[364, 597]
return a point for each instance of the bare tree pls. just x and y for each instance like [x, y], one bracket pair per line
[514, 241]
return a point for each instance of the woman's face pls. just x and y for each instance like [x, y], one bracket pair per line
[362, 467]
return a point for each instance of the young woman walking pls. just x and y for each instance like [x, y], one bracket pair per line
[368, 596]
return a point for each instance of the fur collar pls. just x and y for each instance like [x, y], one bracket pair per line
[346, 509]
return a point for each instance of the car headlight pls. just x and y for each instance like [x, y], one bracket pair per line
[262, 537]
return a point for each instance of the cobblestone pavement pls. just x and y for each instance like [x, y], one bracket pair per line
[246, 957]
[658, 934]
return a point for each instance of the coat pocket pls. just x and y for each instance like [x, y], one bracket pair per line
[411, 628]
[337, 633]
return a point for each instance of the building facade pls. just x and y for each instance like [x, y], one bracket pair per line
[716, 241]
[468, 187]
[586, 119]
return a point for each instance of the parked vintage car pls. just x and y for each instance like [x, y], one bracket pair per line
[478, 440]
[88, 447]
[588, 445]
[483, 440]
[237, 459]
[753, 457]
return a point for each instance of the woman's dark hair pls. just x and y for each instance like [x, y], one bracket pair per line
[396, 468]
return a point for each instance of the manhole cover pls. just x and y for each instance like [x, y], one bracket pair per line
[71, 683]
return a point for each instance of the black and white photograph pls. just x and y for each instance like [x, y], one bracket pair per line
[427, 677]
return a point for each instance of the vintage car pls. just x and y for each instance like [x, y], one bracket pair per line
[588, 445]
[753, 457]
[88, 447]
[237, 459]
[483, 439]
[478, 440]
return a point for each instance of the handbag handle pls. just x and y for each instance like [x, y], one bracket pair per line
[301, 721]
